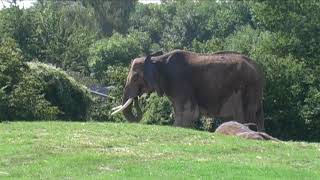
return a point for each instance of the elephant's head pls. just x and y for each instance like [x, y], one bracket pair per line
[140, 80]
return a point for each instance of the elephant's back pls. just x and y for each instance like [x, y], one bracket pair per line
[232, 128]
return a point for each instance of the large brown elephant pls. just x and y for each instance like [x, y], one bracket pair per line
[228, 85]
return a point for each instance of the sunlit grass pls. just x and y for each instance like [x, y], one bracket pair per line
[107, 150]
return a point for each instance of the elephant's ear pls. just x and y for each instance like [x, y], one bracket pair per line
[151, 75]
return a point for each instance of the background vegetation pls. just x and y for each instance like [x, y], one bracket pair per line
[95, 41]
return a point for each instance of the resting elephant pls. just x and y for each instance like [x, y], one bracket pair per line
[242, 130]
[223, 84]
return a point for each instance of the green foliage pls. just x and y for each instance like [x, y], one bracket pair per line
[115, 77]
[296, 19]
[19, 25]
[207, 124]
[177, 24]
[61, 90]
[117, 50]
[3, 104]
[226, 17]
[209, 46]
[63, 35]
[311, 113]
[52, 32]
[151, 19]
[111, 15]
[284, 76]
[38, 91]
[157, 110]
[11, 70]
[244, 40]
[11, 64]
[27, 101]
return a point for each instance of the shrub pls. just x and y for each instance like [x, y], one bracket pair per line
[284, 75]
[3, 104]
[284, 96]
[11, 71]
[109, 59]
[209, 46]
[11, 64]
[27, 101]
[61, 90]
[18, 24]
[157, 110]
[115, 77]
[44, 92]
[117, 50]
[244, 40]
[311, 113]
[207, 123]
[62, 37]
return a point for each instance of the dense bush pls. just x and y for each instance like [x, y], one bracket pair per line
[63, 35]
[54, 33]
[310, 113]
[11, 64]
[27, 101]
[19, 25]
[3, 104]
[115, 77]
[61, 90]
[21, 96]
[39, 92]
[11, 71]
[209, 46]
[284, 76]
[157, 110]
[117, 50]
[109, 60]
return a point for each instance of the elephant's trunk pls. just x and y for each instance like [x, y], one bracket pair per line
[127, 112]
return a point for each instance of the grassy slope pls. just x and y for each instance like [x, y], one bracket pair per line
[99, 150]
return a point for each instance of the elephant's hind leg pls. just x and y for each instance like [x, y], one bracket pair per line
[253, 98]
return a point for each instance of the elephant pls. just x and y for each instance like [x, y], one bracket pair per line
[223, 84]
[242, 130]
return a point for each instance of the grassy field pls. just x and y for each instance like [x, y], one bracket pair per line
[62, 150]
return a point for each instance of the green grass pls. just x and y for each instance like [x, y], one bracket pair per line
[63, 150]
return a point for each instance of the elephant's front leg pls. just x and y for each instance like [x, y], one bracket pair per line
[186, 113]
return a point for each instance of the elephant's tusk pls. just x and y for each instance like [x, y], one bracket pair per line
[115, 108]
[116, 111]
[129, 101]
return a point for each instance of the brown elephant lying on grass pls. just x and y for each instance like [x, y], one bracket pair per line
[242, 130]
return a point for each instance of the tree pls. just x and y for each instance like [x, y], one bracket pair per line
[19, 25]
[297, 20]
[112, 15]
[63, 35]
